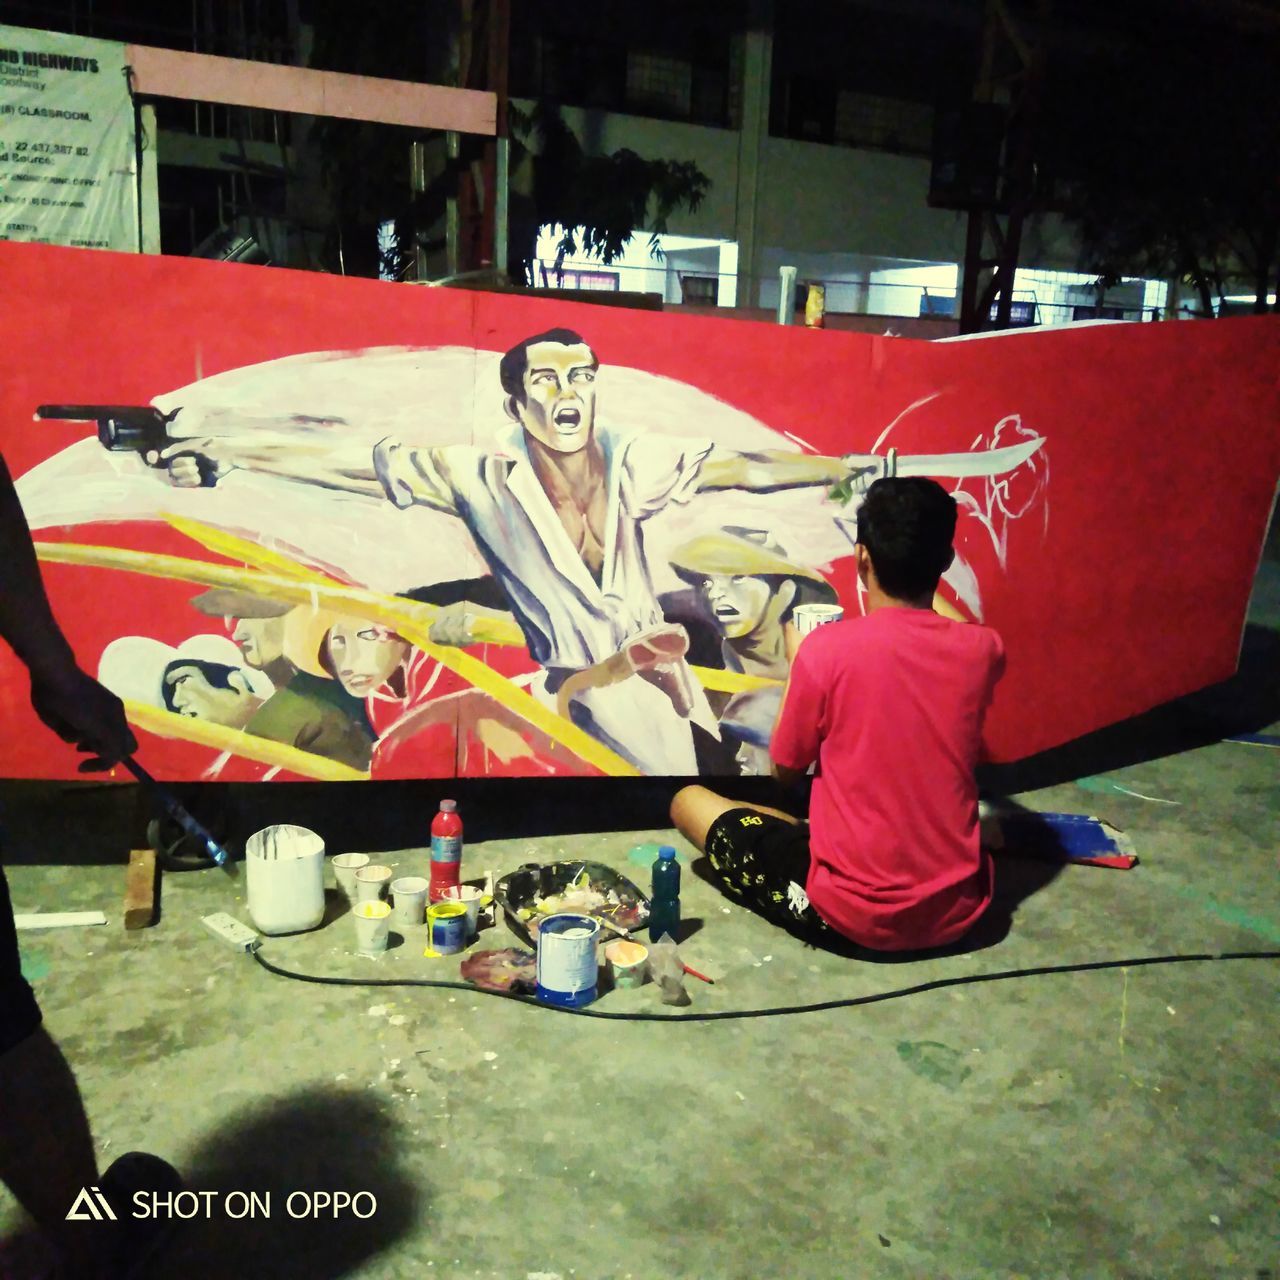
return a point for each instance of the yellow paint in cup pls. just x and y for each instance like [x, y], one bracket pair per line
[629, 962]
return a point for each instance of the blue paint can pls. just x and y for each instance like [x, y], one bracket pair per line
[567, 961]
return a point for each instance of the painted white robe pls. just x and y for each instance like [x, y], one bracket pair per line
[569, 620]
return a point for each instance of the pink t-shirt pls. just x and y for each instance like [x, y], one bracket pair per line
[891, 707]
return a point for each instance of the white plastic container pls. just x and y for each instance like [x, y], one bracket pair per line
[809, 617]
[285, 871]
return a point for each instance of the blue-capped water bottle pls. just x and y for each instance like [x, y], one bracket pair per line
[664, 904]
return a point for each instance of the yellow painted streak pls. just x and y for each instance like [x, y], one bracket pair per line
[234, 547]
[485, 630]
[407, 617]
[731, 681]
[501, 689]
[204, 733]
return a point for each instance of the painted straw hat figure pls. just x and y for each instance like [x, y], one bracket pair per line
[310, 709]
[750, 587]
[207, 678]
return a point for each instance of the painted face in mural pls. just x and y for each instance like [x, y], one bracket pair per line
[739, 602]
[261, 640]
[210, 691]
[363, 656]
[559, 406]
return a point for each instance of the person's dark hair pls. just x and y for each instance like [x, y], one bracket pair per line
[907, 525]
[217, 675]
[516, 361]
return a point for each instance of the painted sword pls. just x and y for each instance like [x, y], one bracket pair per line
[868, 467]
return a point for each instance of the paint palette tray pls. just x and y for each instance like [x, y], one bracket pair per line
[588, 888]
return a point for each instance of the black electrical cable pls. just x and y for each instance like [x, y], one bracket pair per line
[848, 1002]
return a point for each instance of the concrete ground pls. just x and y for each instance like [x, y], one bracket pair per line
[1114, 1122]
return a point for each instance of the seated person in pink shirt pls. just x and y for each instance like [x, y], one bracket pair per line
[890, 708]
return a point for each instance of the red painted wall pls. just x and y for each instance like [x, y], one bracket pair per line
[1125, 583]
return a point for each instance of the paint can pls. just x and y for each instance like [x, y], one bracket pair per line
[447, 923]
[809, 617]
[567, 963]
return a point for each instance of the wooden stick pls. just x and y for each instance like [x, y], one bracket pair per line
[140, 888]
[57, 919]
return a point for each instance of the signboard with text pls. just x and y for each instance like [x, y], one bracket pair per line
[67, 141]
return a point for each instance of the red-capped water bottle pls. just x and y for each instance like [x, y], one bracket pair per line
[446, 850]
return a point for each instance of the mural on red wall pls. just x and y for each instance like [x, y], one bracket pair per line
[316, 528]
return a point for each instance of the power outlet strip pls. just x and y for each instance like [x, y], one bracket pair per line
[230, 930]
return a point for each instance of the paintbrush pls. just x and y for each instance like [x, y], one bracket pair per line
[178, 812]
[614, 928]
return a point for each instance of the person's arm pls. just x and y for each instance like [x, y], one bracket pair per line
[795, 730]
[772, 469]
[464, 623]
[74, 705]
[299, 454]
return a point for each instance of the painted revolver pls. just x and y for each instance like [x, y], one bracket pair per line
[123, 428]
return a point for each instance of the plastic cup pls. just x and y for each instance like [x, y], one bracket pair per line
[628, 962]
[345, 866]
[371, 881]
[373, 921]
[409, 895]
[469, 895]
[809, 617]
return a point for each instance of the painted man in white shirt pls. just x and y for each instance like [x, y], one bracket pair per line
[557, 513]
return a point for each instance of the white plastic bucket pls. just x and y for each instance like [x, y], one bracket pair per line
[285, 872]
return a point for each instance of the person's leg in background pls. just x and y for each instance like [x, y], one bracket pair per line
[759, 857]
[694, 809]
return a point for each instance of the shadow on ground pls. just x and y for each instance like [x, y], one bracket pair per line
[310, 1141]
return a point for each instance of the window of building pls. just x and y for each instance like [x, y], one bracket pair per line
[937, 304]
[888, 124]
[699, 290]
[659, 82]
[570, 69]
[808, 109]
[576, 278]
[1021, 313]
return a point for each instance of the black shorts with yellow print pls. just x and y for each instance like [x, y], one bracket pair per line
[762, 862]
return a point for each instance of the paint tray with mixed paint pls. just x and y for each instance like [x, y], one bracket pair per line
[527, 896]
